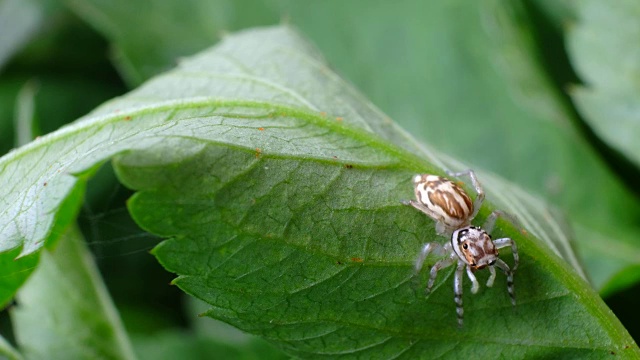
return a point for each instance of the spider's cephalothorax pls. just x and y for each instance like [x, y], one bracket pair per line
[475, 247]
[471, 247]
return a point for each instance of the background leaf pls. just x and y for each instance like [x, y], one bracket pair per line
[609, 64]
[21, 19]
[206, 337]
[176, 344]
[8, 351]
[162, 35]
[64, 310]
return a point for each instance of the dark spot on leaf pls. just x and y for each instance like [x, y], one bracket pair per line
[356, 259]
[258, 152]
[261, 128]
[127, 118]
[348, 166]
[45, 184]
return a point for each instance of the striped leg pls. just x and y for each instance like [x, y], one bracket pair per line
[432, 247]
[504, 242]
[490, 223]
[434, 271]
[457, 290]
[504, 267]
[477, 203]
[492, 277]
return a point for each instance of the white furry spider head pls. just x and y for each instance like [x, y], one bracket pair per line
[475, 247]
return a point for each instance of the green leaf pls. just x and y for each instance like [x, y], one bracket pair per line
[208, 336]
[609, 64]
[467, 78]
[16, 271]
[51, 93]
[624, 280]
[7, 351]
[202, 338]
[19, 21]
[25, 124]
[148, 45]
[64, 310]
[280, 188]
[183, 345]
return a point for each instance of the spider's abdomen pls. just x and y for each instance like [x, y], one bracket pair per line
[444, 198]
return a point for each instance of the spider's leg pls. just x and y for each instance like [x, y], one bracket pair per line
[432, 247]
[474, 282]
[457, 290]
[440, 227]
[477, 203]
[504, 267]
[490, 223]
[492, 277]
[434, 271]
[504, 242]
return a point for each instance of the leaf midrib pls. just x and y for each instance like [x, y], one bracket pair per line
[407, 160]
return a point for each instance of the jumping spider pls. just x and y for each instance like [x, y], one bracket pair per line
[471, 246]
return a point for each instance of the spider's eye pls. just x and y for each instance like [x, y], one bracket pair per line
[465, 246]
[492, 263]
